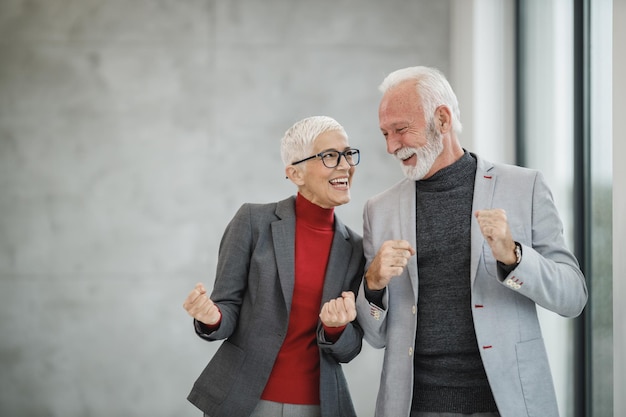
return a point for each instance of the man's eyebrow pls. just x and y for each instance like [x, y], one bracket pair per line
[396, 125]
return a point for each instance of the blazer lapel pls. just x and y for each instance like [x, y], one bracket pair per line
[338, 262]
[406, 204]
[284, 236]
[484, 186]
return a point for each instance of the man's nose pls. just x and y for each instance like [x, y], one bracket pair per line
[393, 144]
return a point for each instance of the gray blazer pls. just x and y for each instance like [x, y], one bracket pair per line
[253, 289]
[503, 306]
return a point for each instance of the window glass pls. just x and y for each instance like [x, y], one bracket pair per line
[565, 111]
[547, 144]
[600, 308]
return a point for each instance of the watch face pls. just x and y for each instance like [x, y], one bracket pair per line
[518, 252]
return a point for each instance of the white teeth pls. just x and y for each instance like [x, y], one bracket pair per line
[339, 181]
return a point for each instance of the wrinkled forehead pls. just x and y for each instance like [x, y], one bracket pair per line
[399, 106]
[399, 97]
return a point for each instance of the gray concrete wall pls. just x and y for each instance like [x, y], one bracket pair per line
[130, 132]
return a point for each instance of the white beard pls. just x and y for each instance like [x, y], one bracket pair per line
[425, 155]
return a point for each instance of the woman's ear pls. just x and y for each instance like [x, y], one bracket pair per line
[294, 174]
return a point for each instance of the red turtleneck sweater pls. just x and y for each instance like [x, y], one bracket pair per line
[295, 378]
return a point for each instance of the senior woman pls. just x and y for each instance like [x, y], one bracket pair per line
[284, 292]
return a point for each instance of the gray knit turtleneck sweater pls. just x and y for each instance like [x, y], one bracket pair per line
[449, 375]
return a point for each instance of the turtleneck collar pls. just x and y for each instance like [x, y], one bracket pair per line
[459, 173]
[314, 215]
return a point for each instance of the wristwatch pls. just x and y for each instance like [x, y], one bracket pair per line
[518, 253]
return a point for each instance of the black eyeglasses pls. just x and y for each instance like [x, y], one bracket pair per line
[331, 159]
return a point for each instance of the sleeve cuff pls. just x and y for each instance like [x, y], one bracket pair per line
[374, 296]
[333, 333]
[202, 328]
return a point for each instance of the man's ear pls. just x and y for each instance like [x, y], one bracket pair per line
[443, 119]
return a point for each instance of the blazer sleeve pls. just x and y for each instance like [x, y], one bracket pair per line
[350, 342]
[371, 317]
[347, 347]
[548, 273]
[231, 278]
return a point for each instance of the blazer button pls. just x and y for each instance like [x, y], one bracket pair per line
[414, 309]
[410, 351]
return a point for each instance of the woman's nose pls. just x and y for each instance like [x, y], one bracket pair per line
[343, 162]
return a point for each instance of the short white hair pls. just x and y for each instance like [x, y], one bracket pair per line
[433, 89]
[298, 140]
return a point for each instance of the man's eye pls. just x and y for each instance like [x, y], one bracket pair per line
[402, 129]
[330, 155]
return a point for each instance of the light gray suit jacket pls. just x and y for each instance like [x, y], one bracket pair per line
[253, 289]
[503, 307]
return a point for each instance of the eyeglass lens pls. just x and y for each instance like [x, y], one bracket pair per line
[331, 158]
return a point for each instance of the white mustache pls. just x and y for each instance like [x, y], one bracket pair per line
[405, 153]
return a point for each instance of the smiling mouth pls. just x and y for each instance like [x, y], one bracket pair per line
[341, 183]
[405, 154]
[408, 158]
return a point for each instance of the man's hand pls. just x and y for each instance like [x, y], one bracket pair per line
[495, 228]
[389, 262]
[200, 307]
